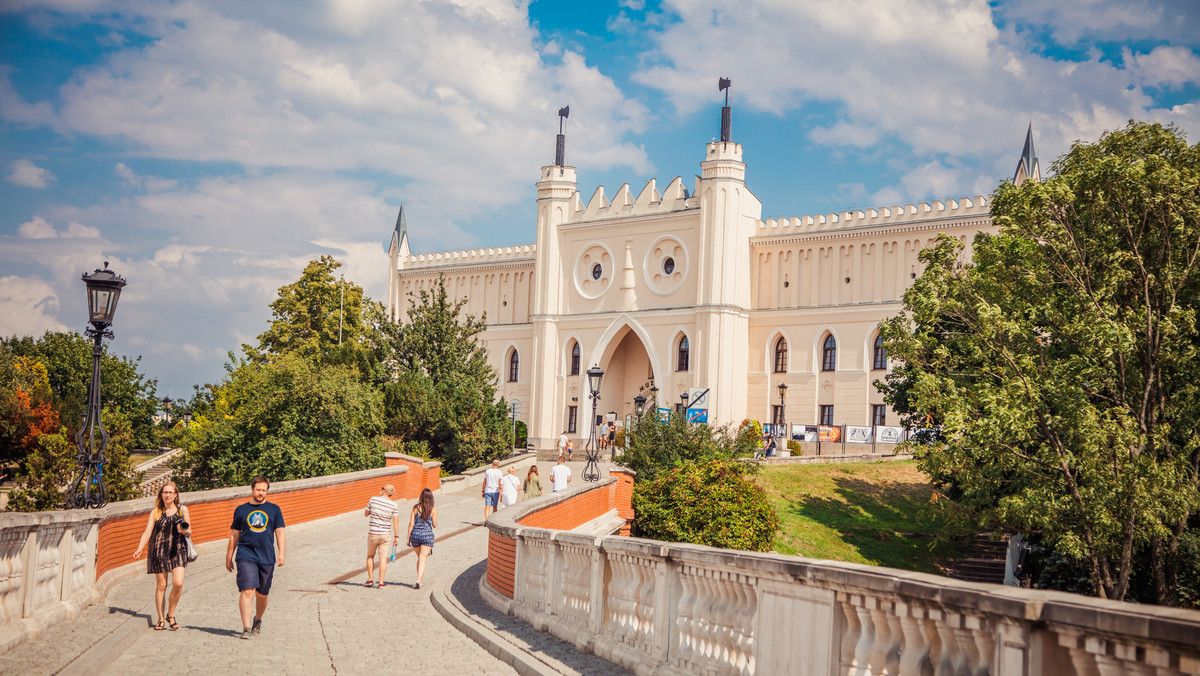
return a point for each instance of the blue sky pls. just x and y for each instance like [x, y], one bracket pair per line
[209, 149]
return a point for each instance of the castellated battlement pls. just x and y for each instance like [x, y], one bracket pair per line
[623, 204]
[521, 252]
[961, 207]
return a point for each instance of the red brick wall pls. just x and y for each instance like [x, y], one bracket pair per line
[211, 519]
[501, 565]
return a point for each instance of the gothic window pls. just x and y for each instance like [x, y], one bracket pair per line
[781, 356]
[684, 350]
[575, 358]
[514, 366]
[879, 361]
[829, 354]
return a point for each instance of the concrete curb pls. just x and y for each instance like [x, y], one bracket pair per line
[487, 638]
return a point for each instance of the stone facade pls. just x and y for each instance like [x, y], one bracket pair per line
[680, 289]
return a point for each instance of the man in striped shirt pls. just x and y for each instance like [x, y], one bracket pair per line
[382, 510]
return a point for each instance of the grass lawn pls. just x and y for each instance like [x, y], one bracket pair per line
[874, 513]
[138, 457]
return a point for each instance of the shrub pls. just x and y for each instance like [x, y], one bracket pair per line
[711, 503]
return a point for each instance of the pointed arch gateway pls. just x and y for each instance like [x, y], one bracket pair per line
[629, 360]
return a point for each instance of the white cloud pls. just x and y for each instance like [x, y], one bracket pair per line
[1168, 66]
[28, 307]
[40, 228]
[941, 79]
[28, 175]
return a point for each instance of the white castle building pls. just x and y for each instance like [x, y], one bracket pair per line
[676, 290]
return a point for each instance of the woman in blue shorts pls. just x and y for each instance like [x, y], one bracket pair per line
[421, 523]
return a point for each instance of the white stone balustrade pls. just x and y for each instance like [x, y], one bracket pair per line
[47, 563]
[666, 608]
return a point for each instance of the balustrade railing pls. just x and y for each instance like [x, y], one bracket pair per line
[655, 607]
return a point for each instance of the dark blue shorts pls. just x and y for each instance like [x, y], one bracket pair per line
[255, 575]
[491, 499]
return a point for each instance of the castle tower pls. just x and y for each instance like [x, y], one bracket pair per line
[1027, 166]
[728, 212]
[556, 191]
[397, 255]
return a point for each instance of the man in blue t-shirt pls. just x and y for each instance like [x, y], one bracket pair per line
[254, 524]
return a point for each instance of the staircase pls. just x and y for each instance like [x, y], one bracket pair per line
[984, 562]
[158, 472]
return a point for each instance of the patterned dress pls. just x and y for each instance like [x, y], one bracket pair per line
[422, 531]
[167, 549]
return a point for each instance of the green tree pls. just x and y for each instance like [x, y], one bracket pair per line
[1059, 365]
[49, 470]
[319, 317]
[67, 357]
[714, 503]
[443, 394]
[285, 419]
[655, 447]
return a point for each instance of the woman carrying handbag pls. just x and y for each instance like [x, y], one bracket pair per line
[167, 532]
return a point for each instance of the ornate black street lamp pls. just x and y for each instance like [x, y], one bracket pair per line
[88, 489]
[782, 394]
[591, 470]
[639, 403]
[167, 407]
[683, 404]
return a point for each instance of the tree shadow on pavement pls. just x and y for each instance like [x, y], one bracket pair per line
[543, 646]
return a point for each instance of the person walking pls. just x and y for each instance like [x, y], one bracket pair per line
[385, 521]
[510, 486]
[165, 532]
[533, 483]
[562, 442]
[603, 437]
[560, 476]
[250, 535]
[421, 522]
[491, 488]
[570, 448]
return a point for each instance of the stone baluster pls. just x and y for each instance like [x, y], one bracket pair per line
[866, 636]
[46, 584]
[12, 574]
[78, 565]
[618, 604]
[915, 657]
[645, 619]
[1083, 661]
[885, 649]
[851, 633]
[985, 645]
[685, 622]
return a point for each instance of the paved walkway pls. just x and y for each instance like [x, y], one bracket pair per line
[321, 620]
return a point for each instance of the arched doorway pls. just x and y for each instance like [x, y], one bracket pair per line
[628, 371]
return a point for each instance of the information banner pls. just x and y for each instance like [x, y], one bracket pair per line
[829, 433]
[889, 435]
[858, 435]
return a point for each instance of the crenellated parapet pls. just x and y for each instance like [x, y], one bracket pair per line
[624, 205]
[500, 254]
[962, 207]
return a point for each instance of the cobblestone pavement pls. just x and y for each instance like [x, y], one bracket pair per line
[321, 619]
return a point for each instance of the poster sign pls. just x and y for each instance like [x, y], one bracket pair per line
[664, 415]
[697, 415]
[611, 416]
[829, 433]
[889, 435]
[858, 435]
[804, 432]
[698, 397]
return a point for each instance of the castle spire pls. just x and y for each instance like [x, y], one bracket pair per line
[723, 84]
[400, 234]
[1027, 166]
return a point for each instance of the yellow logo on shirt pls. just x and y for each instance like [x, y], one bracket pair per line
[257, 521]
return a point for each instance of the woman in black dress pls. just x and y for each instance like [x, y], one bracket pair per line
[165, 532]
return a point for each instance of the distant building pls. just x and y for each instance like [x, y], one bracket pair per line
[680, 289]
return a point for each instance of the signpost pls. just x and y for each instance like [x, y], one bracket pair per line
[697, 406]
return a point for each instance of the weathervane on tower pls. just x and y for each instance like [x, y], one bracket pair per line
[560, 149]
[723, 84]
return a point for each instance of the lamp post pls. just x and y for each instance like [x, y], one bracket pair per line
[782, 415]
[591, 470]
[639, 406]
[683, 404]
[88, 489]
[167, 407]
